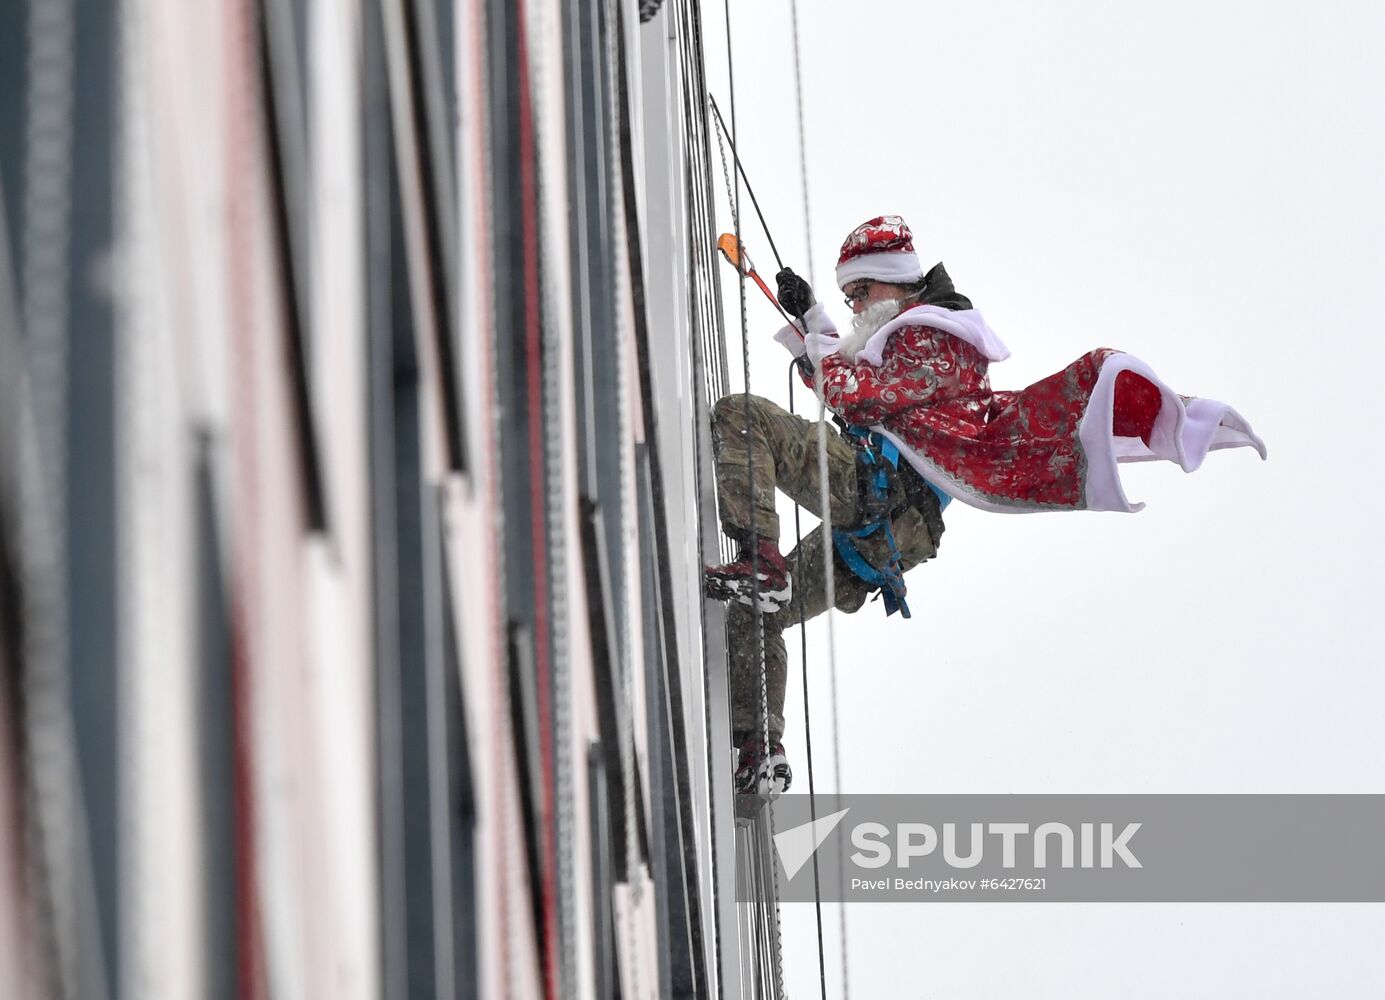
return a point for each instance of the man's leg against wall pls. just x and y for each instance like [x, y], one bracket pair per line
[789, 446]
[773, 448]
[809, 601]
[916, 533]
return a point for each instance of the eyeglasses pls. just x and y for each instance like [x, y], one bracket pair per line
[859, 295]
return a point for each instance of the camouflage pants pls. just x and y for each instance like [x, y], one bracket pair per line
[772, 450]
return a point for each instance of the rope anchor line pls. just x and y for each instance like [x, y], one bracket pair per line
[740, 169]
[734, 252]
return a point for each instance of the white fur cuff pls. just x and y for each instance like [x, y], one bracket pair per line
[820, 346]
[818, 323]
[792, 339]
[818, 320]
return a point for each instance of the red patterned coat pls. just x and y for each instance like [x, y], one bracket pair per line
[923, 381]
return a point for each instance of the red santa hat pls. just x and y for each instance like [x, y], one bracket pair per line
[881, 248]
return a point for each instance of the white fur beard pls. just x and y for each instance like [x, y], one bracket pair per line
[864, 324]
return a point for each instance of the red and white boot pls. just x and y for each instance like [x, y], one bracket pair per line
[737, 581]
[762, 770]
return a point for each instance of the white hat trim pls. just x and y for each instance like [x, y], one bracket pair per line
[894, 266]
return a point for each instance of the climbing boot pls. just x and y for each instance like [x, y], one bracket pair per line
[737, 581]
[762, 770]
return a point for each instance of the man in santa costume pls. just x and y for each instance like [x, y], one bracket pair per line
[910, 384]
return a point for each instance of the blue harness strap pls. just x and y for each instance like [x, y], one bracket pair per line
[889, 580]
[874, 452]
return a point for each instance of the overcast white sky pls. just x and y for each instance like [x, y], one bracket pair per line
[1198, 184]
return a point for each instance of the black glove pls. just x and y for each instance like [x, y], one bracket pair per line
[795, 295]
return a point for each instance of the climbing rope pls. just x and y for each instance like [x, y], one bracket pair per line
[757, 619]
[625, 713]
[807, 715]
[735, 254]
[740, 170]
[802, 141]
[824, 495]
[551, 338]
[57, 848]
[828, 539]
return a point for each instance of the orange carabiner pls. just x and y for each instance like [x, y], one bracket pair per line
[734, 252]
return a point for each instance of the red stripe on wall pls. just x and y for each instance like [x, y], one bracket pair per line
[528, 176]
[240, 165]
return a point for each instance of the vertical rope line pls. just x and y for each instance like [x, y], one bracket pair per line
[608, 24]
[802, 144]
[551, 343]
[57, 827]
[825, 494]
[484, 73]
[829, 583]
[757, 613]
[824, 490]
[488, 71]
[735, 213]
[807, 715]
[686, 34]
[538, 526]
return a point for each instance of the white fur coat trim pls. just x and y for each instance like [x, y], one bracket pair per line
[822, 340]
[965, 324]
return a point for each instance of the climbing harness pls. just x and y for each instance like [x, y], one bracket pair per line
[877, 466]
[877, 471]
